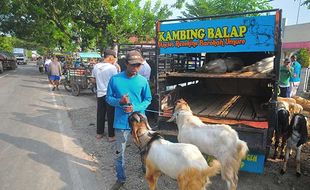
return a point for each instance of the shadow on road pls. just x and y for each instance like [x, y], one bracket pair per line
[44, 154]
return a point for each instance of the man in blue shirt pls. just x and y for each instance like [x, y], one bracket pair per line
[128, 92]
[295, 79]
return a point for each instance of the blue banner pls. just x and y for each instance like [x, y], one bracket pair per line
[253, 163]
[246, 34]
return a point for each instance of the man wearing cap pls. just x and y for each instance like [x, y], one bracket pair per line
[128, 92]
[284, 78]
[101, 74]
[295, 78]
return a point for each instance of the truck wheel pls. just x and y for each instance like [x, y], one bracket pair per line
[1, 67]
[14, 66]
[75, 89]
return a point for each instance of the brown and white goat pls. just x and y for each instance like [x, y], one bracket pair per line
[218, 140]
[297, 136]
[180, 161]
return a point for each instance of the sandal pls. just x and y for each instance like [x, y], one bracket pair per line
[99, 136]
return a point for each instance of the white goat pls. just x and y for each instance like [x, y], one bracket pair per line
[180, 161]
[218, 140]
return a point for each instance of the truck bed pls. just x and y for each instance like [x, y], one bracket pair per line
[228, 107]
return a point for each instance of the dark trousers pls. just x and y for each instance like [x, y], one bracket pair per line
[103, 110]
[284, 92]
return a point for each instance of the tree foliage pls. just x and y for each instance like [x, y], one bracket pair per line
[306, 3]
[199, 8]
[303, 57]
[68, 24]
[6, 43]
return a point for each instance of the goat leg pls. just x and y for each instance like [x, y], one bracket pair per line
[298, 152]
[284, 168]
[152, 175]
[276, 144]
[282, 150]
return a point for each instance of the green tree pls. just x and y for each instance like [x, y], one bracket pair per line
[199, 8]
[303, 57]
[6, 43]
[71, 24]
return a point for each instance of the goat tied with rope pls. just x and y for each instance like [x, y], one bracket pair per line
[180, 161]
[218, 140]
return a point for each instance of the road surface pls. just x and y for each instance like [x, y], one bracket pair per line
[38, 149]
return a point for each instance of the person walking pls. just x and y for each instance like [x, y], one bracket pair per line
[295, 79]
[101, 73]
[46, 64]
[128, 92]
[40, 64]
[55, 73]
[284, 78]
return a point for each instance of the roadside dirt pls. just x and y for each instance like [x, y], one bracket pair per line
[84, 121]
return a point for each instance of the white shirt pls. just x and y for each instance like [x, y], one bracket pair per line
[47, 62]
[103, 72]
[145, 70]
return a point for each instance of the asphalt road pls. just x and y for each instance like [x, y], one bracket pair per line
[38, 149]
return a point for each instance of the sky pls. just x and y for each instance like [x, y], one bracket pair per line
[289, 10]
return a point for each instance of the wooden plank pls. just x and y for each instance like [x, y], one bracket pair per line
[234, 112]
[199, 104]
[216, 105]
[227, 107]
[224, 75]
[248, 112]
[223, 112]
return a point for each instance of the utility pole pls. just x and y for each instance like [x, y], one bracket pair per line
[298, 12]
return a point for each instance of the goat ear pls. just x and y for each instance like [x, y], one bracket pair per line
[135, 137]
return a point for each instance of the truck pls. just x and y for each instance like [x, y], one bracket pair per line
[20, 54]
[7, 61]
[196, 60]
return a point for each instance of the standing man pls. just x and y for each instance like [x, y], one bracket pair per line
[55, 72]
[101, 74]
[284, 78]
[145, 70]
[295, 78]
[128, 91]
[47, 63]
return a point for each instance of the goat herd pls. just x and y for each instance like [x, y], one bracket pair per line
[184, 161]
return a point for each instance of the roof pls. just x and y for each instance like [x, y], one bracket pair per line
[296, 45]
[89, 55]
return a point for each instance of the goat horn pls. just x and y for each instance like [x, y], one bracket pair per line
[171, 119]
[137, 118]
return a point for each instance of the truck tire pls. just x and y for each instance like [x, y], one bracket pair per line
[14, 66]
[1, 67]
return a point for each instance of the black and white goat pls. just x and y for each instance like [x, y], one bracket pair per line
[281, 132]
[297, 136]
